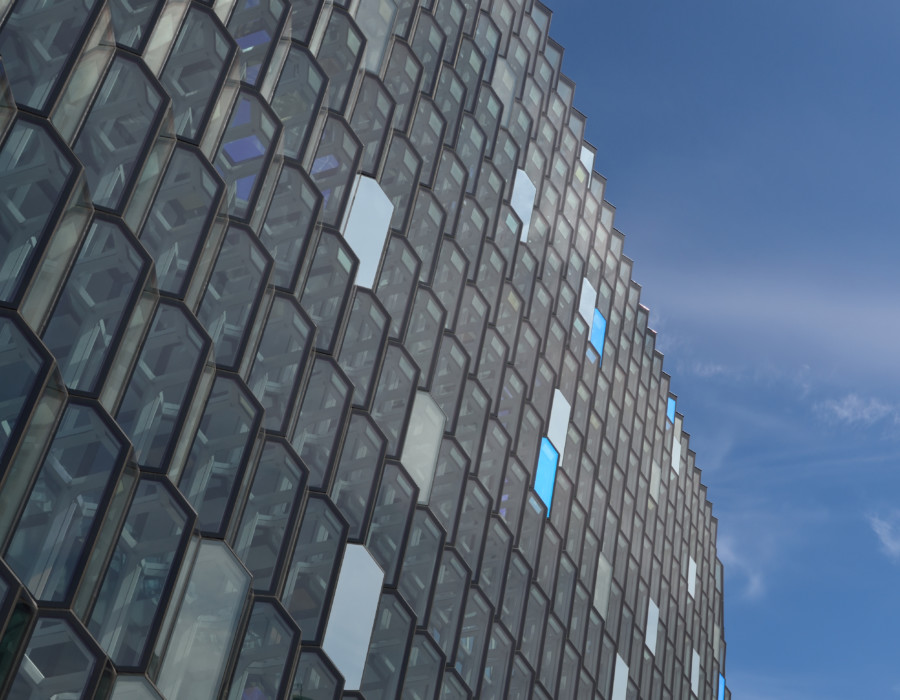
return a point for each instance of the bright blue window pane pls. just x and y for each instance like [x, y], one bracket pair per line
[598, 332]
[721, 694]
[545, 478]
[670, 410]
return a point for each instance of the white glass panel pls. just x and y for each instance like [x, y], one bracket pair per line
[366, 225]
[522, 201]
[692, 576]
[588, 302]
[695, 673]
[620, 679]
[423, 442]
[353, 613]
[676, 448]
[558, 426]
[601, 587]
[587, 157]
[652, 626]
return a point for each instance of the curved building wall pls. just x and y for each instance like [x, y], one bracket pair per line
[322, 371]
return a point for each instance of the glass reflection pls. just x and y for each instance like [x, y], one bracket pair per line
[56, 664]
[57, 526]
[206, 624]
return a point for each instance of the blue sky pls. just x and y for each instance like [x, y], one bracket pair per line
[753, 153]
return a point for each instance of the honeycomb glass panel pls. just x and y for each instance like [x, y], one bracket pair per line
[61, 514]
[288, 227]
[449, 599]
[35, 170]
[340, 56]
[449, 483]
[427, 132]
[316, 678]
[161, 385]
[326, 291]
[394, 396]
[396, 283]
[426, 324]
[180, 218]
[402, 79]
[363, 344]
[56, 663]
[313, 566]
[277, 487]
[320, 425]
[420, 560]
[92, 309]
[280, 358]
[137, 583]
[496, 559]
[219, 453]
[298, 97]
[262, 667]
[334, 166]
[20, 368]
[428, 44]
[357, 473]
[472, 639]
[193, 72]
[38, 42]
[376, 19]
[470, 532]
[423, 672]
[233, 294]
[391, 634]
[496, 665]
[245, 151]
[132, 22]
[255, 26]
[205, 625]
[400, 177]
[371, 117]
[118, 130]
[394, 505]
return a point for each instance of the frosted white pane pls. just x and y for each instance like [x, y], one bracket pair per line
[588, 302]
[522, 201]
[366, 226]
[353, 613]
[692, 576]
[558, 426]
[652, 626]
[423, 442]
[602, 586]
[695, 673]
[620, 680]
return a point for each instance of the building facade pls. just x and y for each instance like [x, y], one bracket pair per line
[322, 371]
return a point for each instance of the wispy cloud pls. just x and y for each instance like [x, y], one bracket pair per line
[853, 409]
[888, 532]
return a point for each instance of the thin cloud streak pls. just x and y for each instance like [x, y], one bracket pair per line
[888, 532]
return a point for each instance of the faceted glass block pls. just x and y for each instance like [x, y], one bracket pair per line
[56, 663]
[205, 625]
[137, 584]
[94, 304]
[35, 171]
[162, 384]
[54, 532]
[118, 129]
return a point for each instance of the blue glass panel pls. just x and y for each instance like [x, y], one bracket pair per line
[670, 410]
[598, 333]
[545, 478]
[721, 694]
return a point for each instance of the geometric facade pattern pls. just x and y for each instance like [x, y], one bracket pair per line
[322, 372]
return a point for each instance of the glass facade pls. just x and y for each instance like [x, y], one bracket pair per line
[322, 371]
